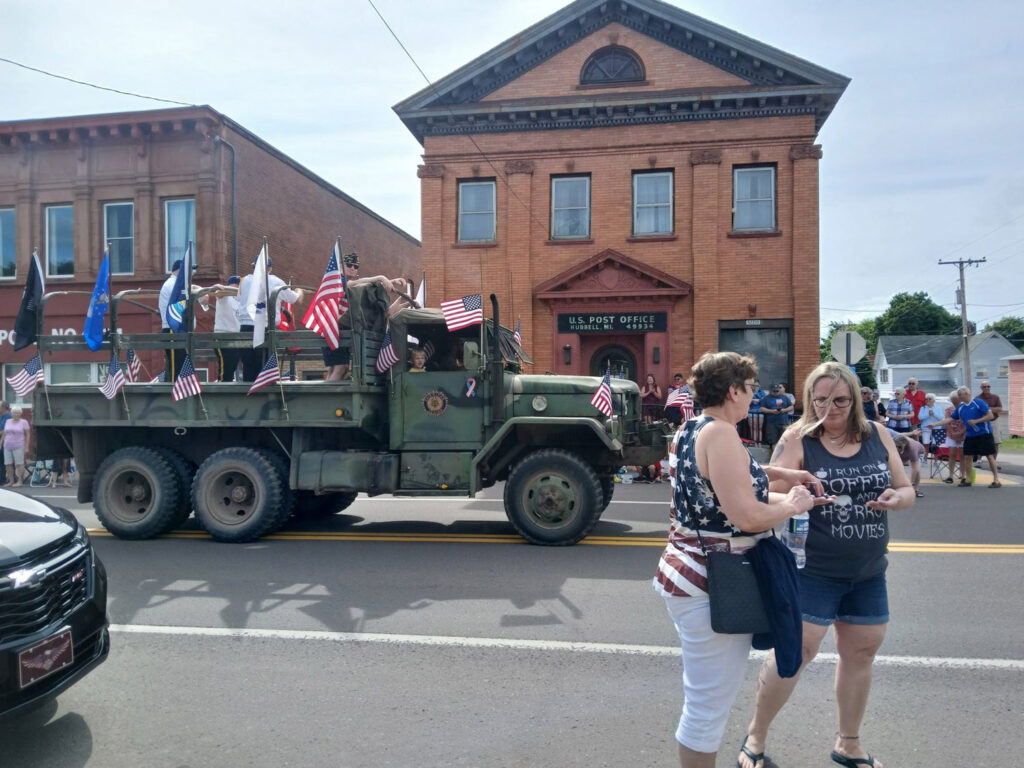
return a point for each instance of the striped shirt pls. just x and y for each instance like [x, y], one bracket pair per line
[682, 570]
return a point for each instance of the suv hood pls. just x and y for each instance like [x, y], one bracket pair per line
[27, 525]
[533, 384]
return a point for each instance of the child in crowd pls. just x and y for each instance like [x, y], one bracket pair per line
[417, 360]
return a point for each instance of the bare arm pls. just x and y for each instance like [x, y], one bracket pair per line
[901, 494]
[722, 458]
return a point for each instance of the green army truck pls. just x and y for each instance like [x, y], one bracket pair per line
[246, 462]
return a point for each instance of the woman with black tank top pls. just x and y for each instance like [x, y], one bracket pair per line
[843, 583]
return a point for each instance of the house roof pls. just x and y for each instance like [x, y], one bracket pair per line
[777, 83]
[932, 350]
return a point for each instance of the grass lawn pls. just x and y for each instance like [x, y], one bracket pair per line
[1012, 445]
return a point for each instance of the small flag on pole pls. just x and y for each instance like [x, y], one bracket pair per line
[517, 335]
[132, 367]
[187, 383]
[25, 323]
[681, 399]
[159, 378]
[25, 380]
[179, 293]
[95, 317]
[464, 312]
[255, 298]
[602, 399]
[429, 349]
[115, 379]
[387, 356]
[329, 303]
[270, 374]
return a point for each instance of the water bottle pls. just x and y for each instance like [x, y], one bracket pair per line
[794, 536]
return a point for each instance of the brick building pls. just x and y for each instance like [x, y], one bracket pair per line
[635, 183]
[149, 182]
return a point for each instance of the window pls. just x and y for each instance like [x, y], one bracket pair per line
[477, 211]
[75, 373]
[570, 207]
[612, 65]
[753, 199]
[8, 259]
[180, 228]
[60, 247]
[981, 373]
[885, 375]
[1004, 371]
[652, 203]
[770, 343]
[119, 233]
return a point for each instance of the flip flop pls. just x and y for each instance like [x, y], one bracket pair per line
[948, 480]
[995, 484]
[852, 762]
[755, 758]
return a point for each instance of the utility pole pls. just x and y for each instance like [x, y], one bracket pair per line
[963, 313]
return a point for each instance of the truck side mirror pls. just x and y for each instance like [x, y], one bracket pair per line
[470, 355]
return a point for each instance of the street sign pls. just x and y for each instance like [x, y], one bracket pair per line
[848, 347]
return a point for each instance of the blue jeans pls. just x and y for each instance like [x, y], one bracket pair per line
[824, 601]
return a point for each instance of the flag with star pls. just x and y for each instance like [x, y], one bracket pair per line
[187, 383]
[25, 380]
[387, 356]
[115, 379]
[329, 303]
[132, 367]
[464, 312]
[602, 399]
[270, 374]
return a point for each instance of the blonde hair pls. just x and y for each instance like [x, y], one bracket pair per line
[858, 429]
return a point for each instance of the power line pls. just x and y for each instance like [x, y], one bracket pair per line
[93, 85]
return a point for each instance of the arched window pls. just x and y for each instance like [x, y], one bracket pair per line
[613, 64]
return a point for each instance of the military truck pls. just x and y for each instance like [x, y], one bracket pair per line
[245, 463]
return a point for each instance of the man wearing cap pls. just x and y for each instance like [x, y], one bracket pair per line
[225, 320]
[172, 361]
[775, 408]
[338, 362]
[253, 358]
[995, 405]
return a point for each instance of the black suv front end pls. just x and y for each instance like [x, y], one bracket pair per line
[53, 602]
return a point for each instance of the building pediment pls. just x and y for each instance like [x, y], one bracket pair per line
[758, 81]
[610, 274]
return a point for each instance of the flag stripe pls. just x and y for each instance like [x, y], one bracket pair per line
[464, 312]
[270, 374]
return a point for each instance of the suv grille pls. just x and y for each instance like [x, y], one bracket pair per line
[47, 598]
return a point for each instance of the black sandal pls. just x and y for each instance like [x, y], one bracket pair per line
[852, 762]
[755, 758]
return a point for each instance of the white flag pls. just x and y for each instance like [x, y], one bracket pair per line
[421, 294]
[255, 298]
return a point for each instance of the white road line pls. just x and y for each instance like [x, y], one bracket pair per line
[941, 662]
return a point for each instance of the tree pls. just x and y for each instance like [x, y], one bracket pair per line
[1011, 328]
[915, 314]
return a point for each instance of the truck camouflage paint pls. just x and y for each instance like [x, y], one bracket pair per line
[246, 463]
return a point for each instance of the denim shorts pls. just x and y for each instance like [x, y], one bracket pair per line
[824, 601]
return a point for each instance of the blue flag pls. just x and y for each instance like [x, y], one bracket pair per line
[95, 318]
[176, 305]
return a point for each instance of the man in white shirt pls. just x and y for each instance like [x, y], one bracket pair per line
[253, 358]
[225, 320]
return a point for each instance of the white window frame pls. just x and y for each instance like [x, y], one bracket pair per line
[1004, 371]
[167, 231]
[493, 211]
[14, 246]
[131, 238]
[670, 175]
[46, 221]
[97, 372]
[555, 181]
[736, 202]
[883, 375]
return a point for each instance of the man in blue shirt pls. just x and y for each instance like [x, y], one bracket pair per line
[976, 415]
[776, 409]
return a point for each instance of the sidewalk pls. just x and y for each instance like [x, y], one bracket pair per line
[1010, 463]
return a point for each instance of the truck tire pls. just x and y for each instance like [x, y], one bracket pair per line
[237, 495]
[311, 505]
[553, 497]
[136, 493]
[184, 471]
[288, 496]
[607, 489]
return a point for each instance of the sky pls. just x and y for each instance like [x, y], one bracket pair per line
[923, 155]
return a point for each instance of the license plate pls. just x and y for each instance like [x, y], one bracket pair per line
[45, 658]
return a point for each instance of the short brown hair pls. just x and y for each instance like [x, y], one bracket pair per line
[715, 372]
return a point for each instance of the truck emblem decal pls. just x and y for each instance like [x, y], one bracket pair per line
[470, 387]
[435, 402]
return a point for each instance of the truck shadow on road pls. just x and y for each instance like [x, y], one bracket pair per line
[35, 740]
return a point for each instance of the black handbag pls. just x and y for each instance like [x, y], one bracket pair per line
[734, 595]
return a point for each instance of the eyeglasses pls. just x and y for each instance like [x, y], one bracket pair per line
[986, 386]
[838, 402]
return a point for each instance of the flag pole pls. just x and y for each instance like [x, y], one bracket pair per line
[124, 396]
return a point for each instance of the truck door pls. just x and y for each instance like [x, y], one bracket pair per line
[437, 411]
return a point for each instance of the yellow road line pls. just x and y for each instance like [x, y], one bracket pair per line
[596, 541]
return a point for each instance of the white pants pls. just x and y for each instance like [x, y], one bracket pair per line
[713, 669]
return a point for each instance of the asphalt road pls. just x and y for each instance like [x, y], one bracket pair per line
[419, 632]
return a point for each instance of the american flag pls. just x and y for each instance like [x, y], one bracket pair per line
[386, 357]
[132, 367]
[429, 349]
[160, 377]
[115, 379]
[25, 380]
[602, 399]
[681, 398]
[464, 312]
[329, 303]
[517, 335]
[187, 383]
[270, 374]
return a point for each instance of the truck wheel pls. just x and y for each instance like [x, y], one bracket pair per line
[136, 493]
[288, 496]
[311, 505]
[553, 497]
[237, 495]
[184, 471]
[607, 489]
